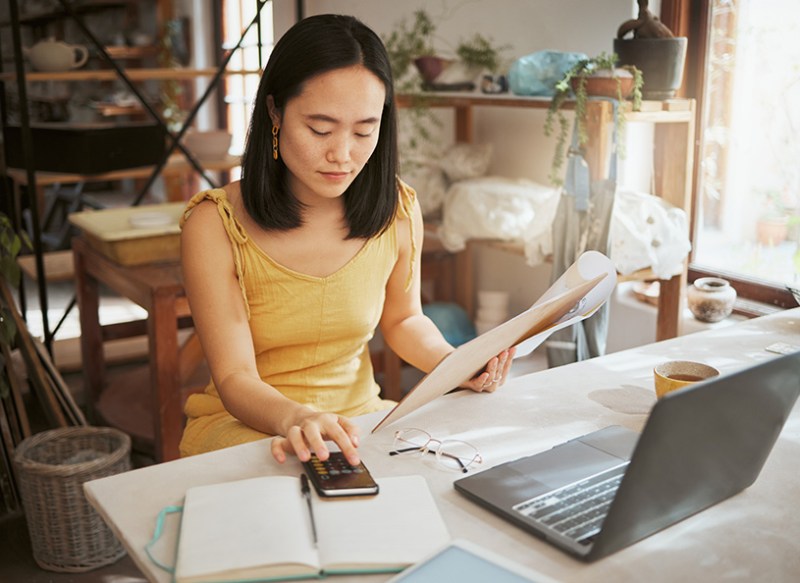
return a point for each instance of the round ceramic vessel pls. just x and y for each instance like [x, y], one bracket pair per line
[711, 299]
[675, 374]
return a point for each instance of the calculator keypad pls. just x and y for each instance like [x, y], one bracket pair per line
[334, 466]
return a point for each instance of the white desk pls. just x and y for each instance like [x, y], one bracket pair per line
[750, 537]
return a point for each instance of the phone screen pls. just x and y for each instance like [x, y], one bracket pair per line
[336, 477]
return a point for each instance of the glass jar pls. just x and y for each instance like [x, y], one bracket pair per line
[711, 299]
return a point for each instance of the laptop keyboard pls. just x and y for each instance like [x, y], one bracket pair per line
[577, 510]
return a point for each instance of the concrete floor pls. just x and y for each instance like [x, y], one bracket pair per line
[17, 562]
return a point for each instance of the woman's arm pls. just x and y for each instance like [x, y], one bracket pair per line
[220, 319]
[409, 332]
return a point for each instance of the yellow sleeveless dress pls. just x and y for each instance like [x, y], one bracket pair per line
[310, 334]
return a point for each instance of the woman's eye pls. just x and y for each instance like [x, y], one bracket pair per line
[363, 135]
[317, 132]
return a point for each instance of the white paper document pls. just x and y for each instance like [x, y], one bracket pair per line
[575, 296]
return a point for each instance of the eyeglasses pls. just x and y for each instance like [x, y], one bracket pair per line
[450, 453]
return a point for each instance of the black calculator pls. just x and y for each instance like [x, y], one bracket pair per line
[336, 477]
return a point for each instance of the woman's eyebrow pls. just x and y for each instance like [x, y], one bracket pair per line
[329, 119]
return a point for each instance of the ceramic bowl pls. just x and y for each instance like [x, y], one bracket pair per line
[208, 145]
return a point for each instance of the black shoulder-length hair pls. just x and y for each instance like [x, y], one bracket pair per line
[316, 45]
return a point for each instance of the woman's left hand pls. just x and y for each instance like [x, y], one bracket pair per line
[494, 373]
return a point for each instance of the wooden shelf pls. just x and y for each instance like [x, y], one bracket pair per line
[125, 52]
[39, 18]
[667, 111]
[133, 74]
[673, 161]
[177, 164]
[58, 266]
[112, 110]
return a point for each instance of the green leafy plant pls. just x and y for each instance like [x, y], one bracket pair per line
[480, 52]
[574, 85]
[414, 38]
[11, 244]
[410, 40]
[407, 42]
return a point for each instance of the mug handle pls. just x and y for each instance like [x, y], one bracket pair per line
[84, 56]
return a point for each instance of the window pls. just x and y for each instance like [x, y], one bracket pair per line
[240, 90]
[747, 195]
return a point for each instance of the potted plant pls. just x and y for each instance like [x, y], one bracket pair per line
[597, 76]
[409, 42]
[479, 52]
[413, 43]
[654, 50]
[772, 225]
[410, 46]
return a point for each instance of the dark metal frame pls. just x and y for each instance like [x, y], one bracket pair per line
[27, 141]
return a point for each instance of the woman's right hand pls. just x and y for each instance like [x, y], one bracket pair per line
[310, 434]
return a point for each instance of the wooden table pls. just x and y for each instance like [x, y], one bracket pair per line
[752, 536]
[158, 288]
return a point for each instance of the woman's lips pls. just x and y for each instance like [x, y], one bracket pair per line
[335, 176]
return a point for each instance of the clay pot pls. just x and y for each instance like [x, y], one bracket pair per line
[772, 231]
[661, 61]
[605, 85]
[711, 299]
[430, 67]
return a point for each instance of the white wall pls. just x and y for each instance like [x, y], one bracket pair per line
[520, 148]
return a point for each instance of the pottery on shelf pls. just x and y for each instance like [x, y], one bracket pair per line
[430, 67]
[208, 145]
[52, 56]
[661, 61]
[711, 299]
[605, 83]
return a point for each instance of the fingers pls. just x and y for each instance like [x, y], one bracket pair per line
[494, 373]
[310, 436]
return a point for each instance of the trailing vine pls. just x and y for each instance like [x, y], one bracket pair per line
[556, 122]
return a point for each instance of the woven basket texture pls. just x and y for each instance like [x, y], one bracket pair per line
[67, 534]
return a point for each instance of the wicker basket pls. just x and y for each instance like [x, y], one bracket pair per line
[66, 533]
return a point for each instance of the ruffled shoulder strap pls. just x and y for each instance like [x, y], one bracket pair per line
[236, 233]
[407, 197]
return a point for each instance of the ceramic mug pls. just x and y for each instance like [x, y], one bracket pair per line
[676, 374]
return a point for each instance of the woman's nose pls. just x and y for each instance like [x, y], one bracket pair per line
[339, 150]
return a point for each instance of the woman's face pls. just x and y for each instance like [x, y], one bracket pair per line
[329, 131]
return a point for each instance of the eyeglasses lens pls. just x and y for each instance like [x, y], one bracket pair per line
[457, 455]
[409, 440]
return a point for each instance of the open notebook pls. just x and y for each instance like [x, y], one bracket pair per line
[260, 529]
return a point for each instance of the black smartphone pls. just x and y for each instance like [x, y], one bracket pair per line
[336, 477]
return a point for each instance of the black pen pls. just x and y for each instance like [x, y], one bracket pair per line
[306, 490]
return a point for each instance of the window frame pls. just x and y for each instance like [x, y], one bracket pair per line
[690, 18]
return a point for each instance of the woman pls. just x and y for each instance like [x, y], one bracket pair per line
[290, 270]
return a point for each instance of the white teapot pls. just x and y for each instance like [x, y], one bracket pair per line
[51, 55]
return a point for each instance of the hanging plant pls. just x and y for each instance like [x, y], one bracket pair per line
[598, 76]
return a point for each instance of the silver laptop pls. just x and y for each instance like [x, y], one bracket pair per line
[599, 493]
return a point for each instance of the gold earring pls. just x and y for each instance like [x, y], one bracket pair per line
[274, 142]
